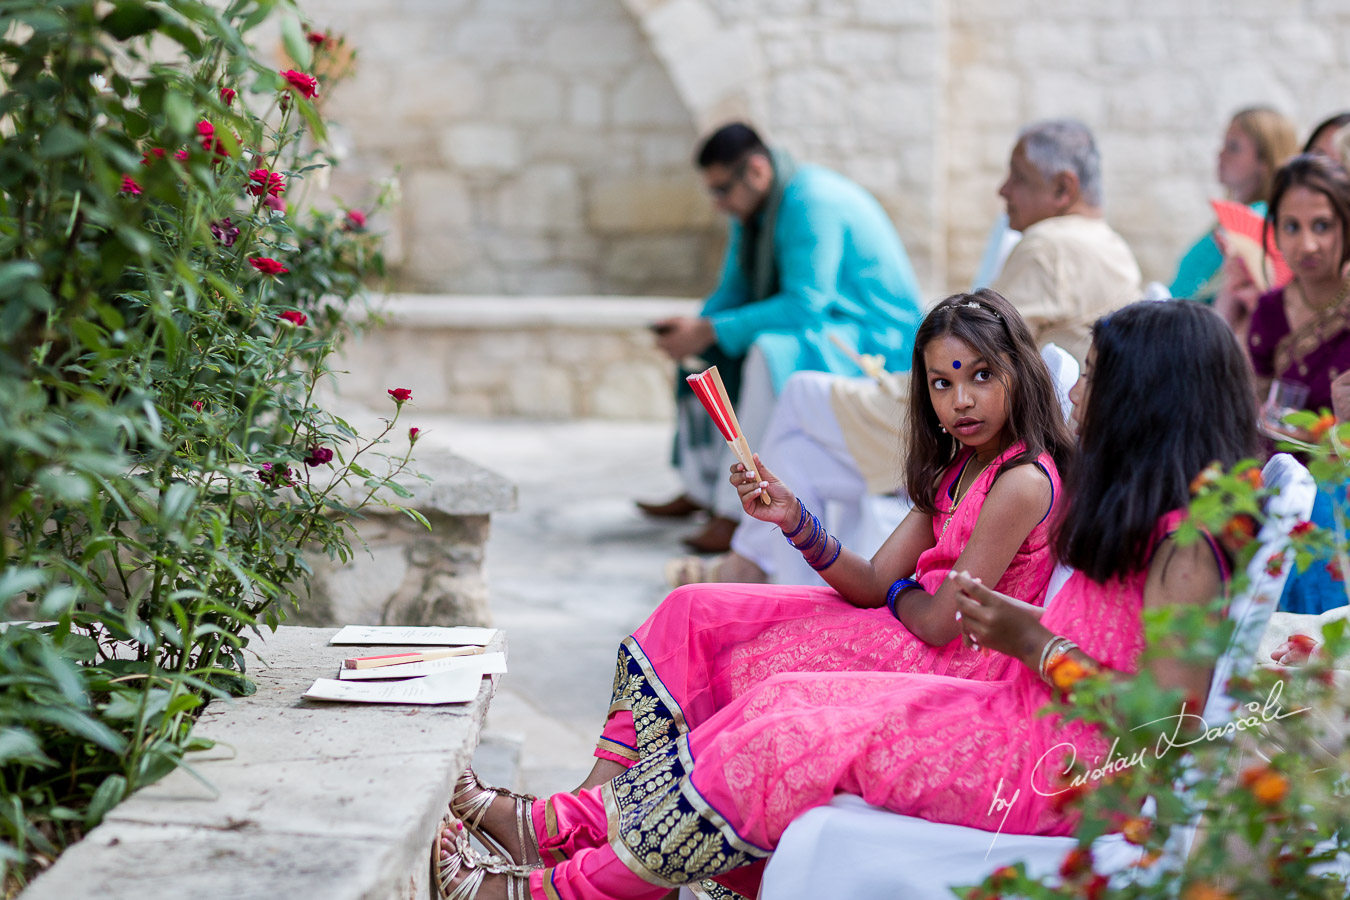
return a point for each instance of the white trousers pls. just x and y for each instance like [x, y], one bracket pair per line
[805, 448]
[705, 470]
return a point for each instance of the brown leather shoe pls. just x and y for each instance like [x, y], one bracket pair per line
[681, 506]
[715, 537]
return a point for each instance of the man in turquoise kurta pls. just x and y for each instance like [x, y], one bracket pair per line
[810, 255]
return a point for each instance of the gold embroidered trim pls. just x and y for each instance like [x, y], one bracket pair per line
[551, 828]
[1327, 325]
[617, 749]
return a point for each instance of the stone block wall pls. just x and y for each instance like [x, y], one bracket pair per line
[539, 146]
[543, 145]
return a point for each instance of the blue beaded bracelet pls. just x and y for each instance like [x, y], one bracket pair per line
[896, 590]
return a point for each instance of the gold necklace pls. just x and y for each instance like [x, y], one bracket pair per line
[962, 495]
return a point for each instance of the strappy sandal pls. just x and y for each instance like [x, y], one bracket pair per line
[470, 803]
[444, 871]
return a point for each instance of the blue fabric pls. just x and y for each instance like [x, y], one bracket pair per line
[1314, 591]
[841, 270]
[1200, 264]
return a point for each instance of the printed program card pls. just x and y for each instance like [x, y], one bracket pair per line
[483, 664]
[451, 687]
[415, 635]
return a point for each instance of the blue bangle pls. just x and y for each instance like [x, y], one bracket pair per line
[838, 546]
[801, 523]
[896, 590]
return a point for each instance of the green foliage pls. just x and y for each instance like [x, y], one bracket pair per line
[156, 409]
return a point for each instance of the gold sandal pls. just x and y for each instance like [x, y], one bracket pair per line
[444, 870]
[470, 803]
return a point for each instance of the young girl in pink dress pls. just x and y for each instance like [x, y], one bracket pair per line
[717, 798]
[986, 439]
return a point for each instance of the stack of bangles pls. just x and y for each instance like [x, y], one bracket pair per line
[1056, 651]
[817, 543]
[896, 590]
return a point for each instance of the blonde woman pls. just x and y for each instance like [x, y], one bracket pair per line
[1258, 141]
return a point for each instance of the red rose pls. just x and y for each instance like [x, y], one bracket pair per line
[210, 143]
[156, 152]
[401, 395]
[413, 433]
[227, 95]
[316, 38]
[129, 186]
[180, 155]
[205, 129]
[267, 265]
[1301, 529]
[275, 476]
[265, 180]
[295, 317]
[198, 405]
[355, 221]
[307, 85]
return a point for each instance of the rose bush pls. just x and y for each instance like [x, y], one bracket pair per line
[166, 310]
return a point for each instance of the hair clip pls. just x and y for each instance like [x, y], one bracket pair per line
[974, 304]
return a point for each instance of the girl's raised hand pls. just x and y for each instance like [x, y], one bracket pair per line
[782, 502]
[993, 620]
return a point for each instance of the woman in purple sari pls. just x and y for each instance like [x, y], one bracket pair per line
[1300, 333]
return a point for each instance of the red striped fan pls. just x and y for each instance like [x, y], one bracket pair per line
[712, 393]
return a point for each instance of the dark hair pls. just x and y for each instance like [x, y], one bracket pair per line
[1316, 173]
[1169, 392]
[1337, 122]
[994, 329]
[728, 145]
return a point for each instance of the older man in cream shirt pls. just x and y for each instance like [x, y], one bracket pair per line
[837, 440]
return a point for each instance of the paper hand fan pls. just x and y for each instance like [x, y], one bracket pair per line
[1245, 236]
[710, 391]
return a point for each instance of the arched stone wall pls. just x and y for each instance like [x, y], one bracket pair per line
[539, 144]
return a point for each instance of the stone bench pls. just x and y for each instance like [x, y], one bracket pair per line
[551, 357]
[306, 799]
[402, 574]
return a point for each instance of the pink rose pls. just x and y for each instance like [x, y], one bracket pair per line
[267, 265]
[295, 317]
[275, 476]
[307, 85]
[180, 155]
[227, 96]
[129, 186]
[199, 405]
[401, 395]
[151, 155]
[225, 231]
[355, 220]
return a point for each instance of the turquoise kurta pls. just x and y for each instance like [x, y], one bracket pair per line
[1198, 267]
[840, 268]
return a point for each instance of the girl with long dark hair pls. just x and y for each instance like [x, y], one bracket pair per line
[718, 798]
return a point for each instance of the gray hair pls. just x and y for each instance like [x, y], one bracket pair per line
[1065, 145]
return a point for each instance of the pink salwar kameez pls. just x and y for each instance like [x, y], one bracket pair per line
[708, 644]
[718, 797]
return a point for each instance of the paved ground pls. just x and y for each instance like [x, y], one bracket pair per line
[571, 573]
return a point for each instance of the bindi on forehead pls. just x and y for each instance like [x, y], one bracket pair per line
[956, 364]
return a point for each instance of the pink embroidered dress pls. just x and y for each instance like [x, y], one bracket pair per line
[719, 797]
[707, 644]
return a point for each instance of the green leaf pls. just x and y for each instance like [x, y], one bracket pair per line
[297, 47]
[18, 745]
[129, 20]
[61, 141]
[14, 274]
[108, 795]
[180, 112]
[81, 725]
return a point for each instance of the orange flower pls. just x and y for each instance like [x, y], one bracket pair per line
[1324, 423]
[1204, 891]
[1267, 786]
[1239, 531]
[1002, 876]
[1137, 830]
[1253, 477]
[1206, 477]
[1147, 859]
[1077, 862]
[1066, 672]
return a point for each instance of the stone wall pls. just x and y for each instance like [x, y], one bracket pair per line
[539, 146]
[544, 145]
[1157, 80]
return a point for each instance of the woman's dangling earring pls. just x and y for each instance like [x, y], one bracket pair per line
[942, 428]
